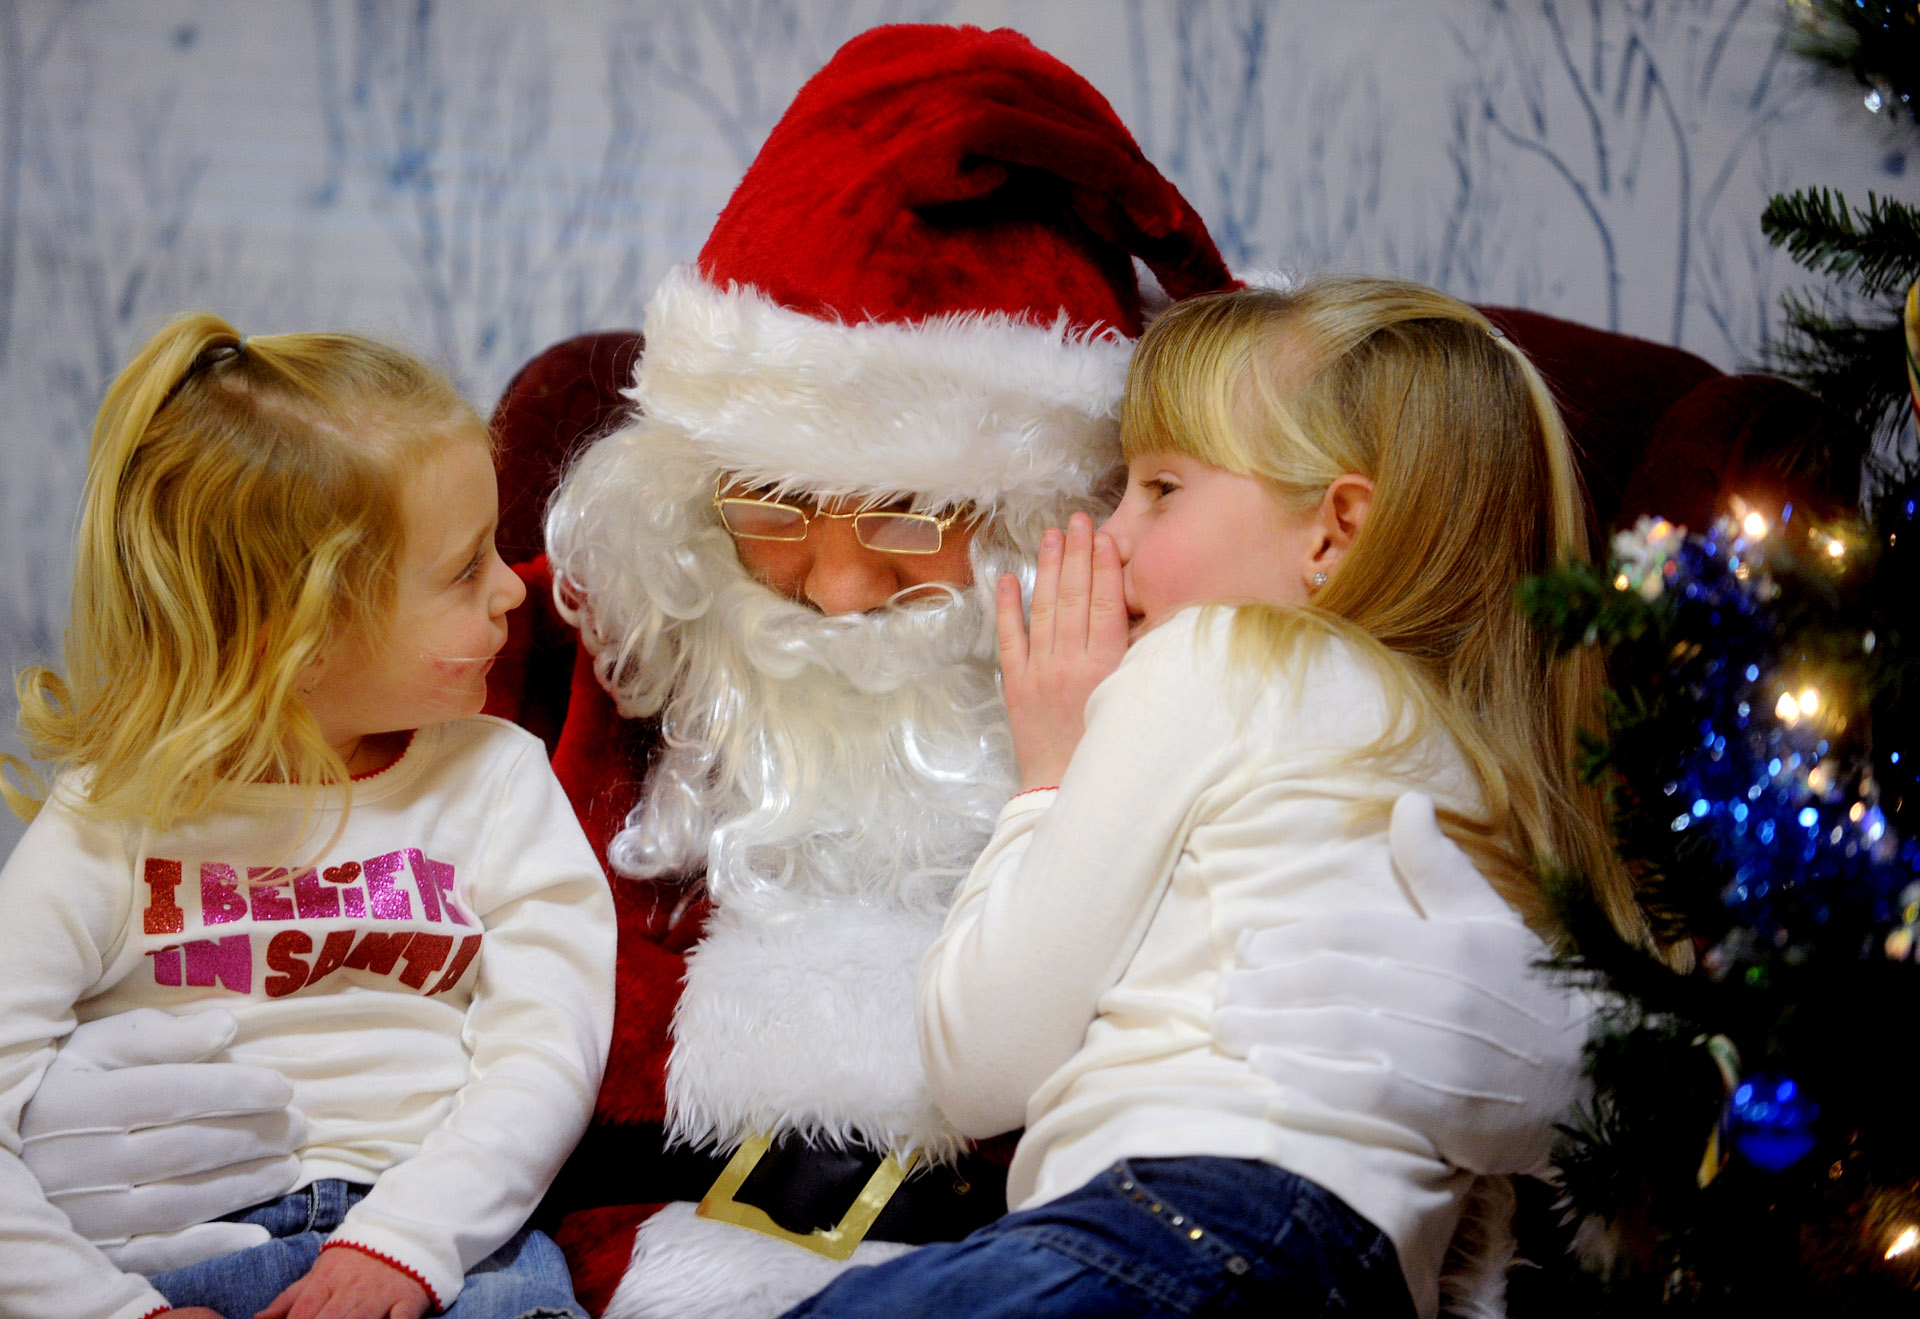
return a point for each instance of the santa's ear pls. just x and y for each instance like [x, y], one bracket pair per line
[1342, 512]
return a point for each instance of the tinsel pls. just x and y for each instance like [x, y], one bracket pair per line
[1750, 1139]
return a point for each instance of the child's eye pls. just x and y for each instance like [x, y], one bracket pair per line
[473, 567]
[1159, 487]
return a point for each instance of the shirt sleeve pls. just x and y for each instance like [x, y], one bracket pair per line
[1059, 901]
[64, 899]
[537, 1030]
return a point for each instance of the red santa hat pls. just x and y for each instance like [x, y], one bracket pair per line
[926, 282]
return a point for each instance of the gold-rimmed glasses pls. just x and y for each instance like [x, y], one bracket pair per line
[890, 531]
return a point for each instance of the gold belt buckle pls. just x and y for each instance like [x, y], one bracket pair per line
[836, 1242]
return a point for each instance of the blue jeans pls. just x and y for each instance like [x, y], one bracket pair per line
[1148, 1237]
[524, 1279]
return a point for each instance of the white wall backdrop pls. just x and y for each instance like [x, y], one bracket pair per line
[477, 178]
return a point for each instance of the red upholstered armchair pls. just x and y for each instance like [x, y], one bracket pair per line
[1660, 430]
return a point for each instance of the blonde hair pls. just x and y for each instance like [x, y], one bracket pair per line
[1475, 487]
[242, 506]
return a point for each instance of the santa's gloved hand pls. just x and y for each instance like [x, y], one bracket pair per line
[1444, 1025]
[141, 1143]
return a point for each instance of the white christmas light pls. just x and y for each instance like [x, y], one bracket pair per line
[1909, 1238]
[1755, 526]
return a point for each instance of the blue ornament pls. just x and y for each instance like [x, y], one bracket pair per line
[1772, 1121]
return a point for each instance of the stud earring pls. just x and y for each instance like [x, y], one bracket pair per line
[1319, 580]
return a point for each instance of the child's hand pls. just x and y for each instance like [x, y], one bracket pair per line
[1077, 637]
[348, 1284]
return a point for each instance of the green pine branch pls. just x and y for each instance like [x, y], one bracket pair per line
[1860, 367]
[1878, 248]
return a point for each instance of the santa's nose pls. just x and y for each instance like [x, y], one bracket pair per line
[843, 576]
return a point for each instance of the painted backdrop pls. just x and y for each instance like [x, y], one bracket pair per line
[478, 178]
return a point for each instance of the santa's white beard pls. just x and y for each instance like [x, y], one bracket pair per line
[805, 756]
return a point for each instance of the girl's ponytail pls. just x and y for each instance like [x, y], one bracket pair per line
[145, 386]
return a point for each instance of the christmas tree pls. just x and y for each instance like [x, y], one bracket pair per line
[1847, 346]
[1750, 1139]
[1751, 1142]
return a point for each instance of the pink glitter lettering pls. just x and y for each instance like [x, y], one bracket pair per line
[433, 879]
[385, 901]
[314, 899]
[267, 893]
[227, 961]
[220, 899]
[166, 965]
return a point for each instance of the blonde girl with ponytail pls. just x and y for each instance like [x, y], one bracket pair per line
[1236, 708]
[276, 801]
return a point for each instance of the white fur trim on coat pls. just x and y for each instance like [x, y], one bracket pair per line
[979, 409]
[688, 1267]
[802, 1020]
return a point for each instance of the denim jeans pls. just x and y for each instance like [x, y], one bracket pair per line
[524, 1279]
[1148, 1237]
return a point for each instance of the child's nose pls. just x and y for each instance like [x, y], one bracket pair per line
[508, 589]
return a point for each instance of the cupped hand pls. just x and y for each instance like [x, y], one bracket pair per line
[348, 1284]
[1076, 637]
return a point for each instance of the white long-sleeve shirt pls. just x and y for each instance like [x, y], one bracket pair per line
[1073, 988]
[437, 988]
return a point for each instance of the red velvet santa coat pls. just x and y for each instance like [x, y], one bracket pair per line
[544, 680]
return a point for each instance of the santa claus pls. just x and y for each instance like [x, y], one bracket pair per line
[894, 364]
[896, 361]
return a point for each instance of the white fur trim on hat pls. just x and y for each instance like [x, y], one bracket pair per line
[979, 409]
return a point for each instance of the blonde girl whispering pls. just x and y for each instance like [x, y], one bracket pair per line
[1232, 707]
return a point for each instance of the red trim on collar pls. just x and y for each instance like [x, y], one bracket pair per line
[413, 735]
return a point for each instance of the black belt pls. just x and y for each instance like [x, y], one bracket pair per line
[806, 1187]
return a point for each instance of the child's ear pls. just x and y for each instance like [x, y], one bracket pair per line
[1343, 510]
[310, 676]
